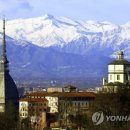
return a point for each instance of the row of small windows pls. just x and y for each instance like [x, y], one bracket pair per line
[77, 104]
[37, 104]
[23, 109]
[23, 114]
[53, 104]
[81, 104]
[63, 98]
[118, 77]
[76, 98]
[40, 109]
[35, 97]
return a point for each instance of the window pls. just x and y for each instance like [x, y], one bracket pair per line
[110, 77]
[118, 77]
[127, 76]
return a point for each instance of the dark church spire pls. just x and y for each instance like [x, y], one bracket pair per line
[4, 59]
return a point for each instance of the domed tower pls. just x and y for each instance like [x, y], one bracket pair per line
[8, 89]
[118, 73]
[119, 70]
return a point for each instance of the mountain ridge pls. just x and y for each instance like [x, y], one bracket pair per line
[51, 47]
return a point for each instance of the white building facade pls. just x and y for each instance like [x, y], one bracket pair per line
[23, 109]
[118, 72]
[52, 103]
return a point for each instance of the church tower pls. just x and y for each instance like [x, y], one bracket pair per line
[118, 73]
[8, 89]
[119, 70]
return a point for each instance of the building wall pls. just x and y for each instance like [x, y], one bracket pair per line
[27, 109]
[23, 109]
[54, 89]
[36, 108]
[82, 99]
[72, 106]
[52, 103]
[115, 71]
[2, 92]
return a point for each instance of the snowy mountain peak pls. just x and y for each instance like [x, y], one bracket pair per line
[48, 16]
[51, 31]
[58, 46]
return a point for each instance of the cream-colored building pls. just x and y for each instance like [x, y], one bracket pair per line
[78, 99]
[52, 103]
[32, 107]
[60, 104]
[51, 97]
[23, 109]
[118, 73]
[54, 89]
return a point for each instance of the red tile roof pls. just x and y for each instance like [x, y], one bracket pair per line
[34, 99]
[62, 94]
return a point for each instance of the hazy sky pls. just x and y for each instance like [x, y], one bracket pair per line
[116, 11]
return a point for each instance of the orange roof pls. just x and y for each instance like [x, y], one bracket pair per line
[63, 94]
[34, 99]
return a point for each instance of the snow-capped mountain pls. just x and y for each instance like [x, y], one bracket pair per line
[60, 46]
[50, 31]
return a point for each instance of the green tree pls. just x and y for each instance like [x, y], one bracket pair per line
[80, 120]
[9, 120]
[113, 104]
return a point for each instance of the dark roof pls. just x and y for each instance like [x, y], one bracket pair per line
[70, 86]
[120, 62]
[11, 92]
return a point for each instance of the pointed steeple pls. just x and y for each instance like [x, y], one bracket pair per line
[8, 88]
[4, 59]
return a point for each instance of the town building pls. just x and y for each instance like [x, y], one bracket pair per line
[29, 107]
[118, 74]
[8, 89]
[34, 109]
[52, 98]
[59, 104]
[69, 88]
[82, 100]
[54, 89]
